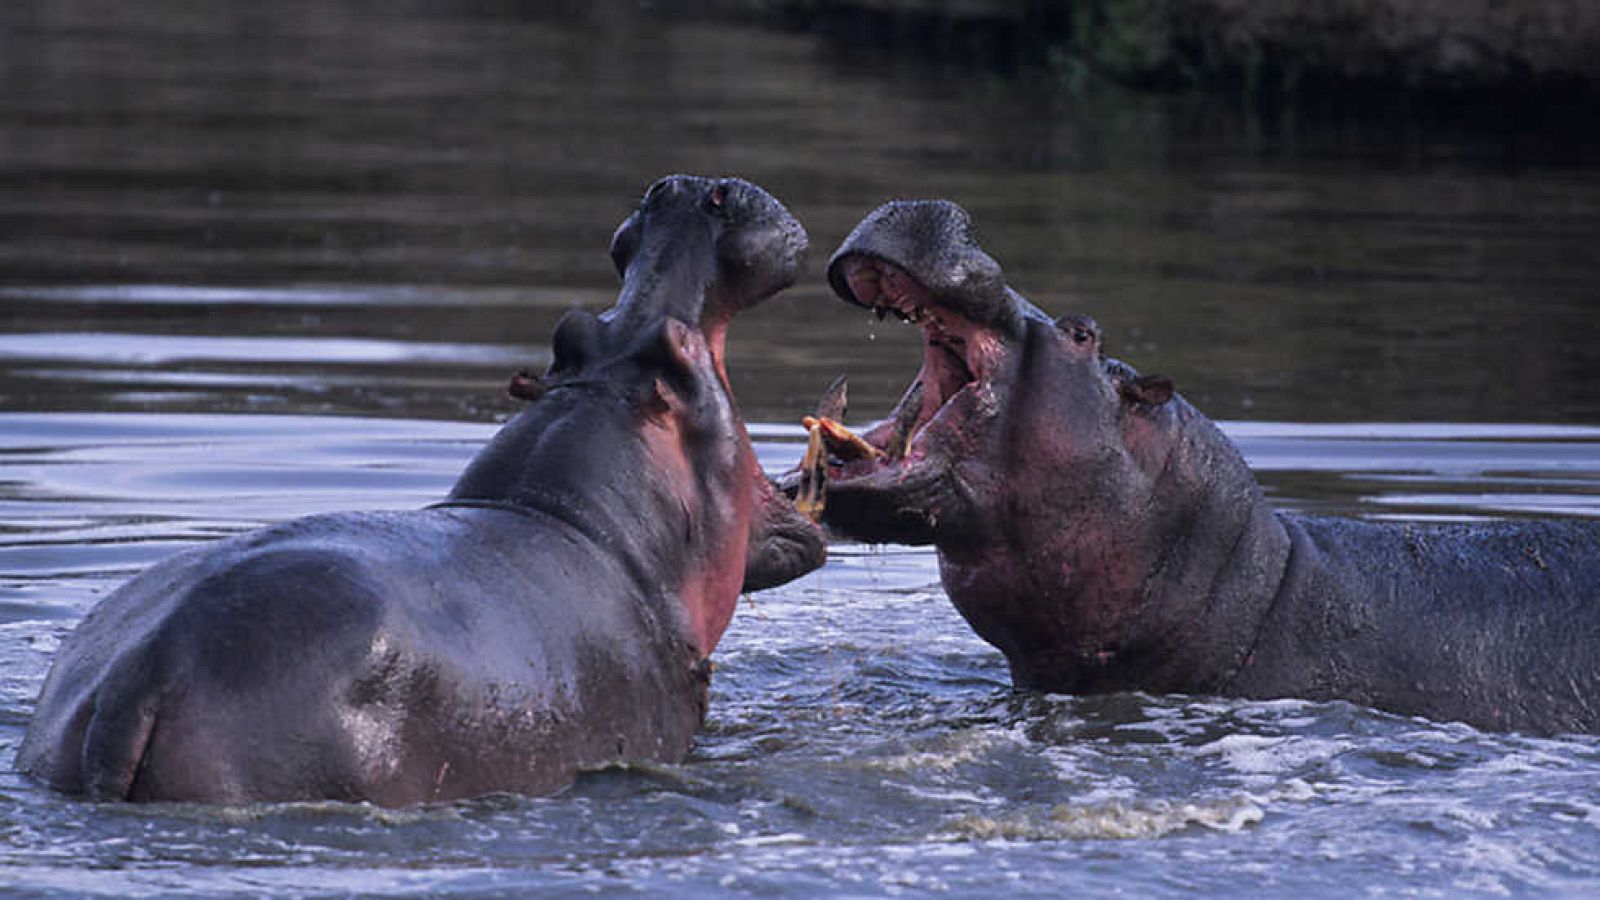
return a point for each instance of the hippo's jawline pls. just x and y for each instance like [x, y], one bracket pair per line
[959, 357]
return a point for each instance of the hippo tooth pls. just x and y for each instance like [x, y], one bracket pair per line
[843, 443]
[834, 400]
[904, 421]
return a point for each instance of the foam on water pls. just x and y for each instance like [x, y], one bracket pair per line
[1260, 755]
[1113, 820]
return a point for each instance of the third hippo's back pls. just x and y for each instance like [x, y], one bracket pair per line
[1496, 623]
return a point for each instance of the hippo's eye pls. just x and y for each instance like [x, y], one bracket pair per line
[1082, 335]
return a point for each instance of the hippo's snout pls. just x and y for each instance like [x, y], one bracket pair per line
[934, 242]
[761, 234]
[703, 249]
[765, 253]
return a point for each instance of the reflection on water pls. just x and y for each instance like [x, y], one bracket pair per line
[167, 350]
[1425, 470]
[354, 221]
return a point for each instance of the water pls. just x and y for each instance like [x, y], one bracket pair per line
[263, 261]
[861, 740]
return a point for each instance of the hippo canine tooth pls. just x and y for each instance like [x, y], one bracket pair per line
[904, 422]
[811, 499]
[841, 441]
[834, 400]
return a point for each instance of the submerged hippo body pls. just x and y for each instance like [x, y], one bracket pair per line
[1105, 536]
[554, 613]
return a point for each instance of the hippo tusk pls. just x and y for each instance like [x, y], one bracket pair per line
[812, 495]
[841, 441]
[827, 437]
[834, 400]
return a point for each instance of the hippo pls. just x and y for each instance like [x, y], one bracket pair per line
[555, 612]
[1105, 536]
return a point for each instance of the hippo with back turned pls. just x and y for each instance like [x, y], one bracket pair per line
[554, 613]
[1105, 536]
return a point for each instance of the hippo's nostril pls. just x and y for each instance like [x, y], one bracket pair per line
[1080, 328]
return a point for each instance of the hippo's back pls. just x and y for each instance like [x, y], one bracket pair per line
[1495, 624]
[392, 657]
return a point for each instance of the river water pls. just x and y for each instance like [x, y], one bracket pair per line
[264, 260]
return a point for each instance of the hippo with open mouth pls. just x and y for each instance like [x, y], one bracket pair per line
[554, 613]
[1105, 536]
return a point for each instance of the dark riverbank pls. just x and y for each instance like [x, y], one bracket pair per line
[1357, 52]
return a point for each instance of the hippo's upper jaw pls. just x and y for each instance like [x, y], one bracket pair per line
[731, 246]
[935, 242]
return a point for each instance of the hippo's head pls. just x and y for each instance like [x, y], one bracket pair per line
[633, 431]
[1002, 389]
[1054, 481]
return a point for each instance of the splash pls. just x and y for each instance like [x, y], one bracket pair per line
[1113, 820]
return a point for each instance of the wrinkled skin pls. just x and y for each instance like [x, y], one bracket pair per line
[555, 613]
[1105, 536]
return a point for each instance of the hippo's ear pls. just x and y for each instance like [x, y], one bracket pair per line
[576, 337]
[674, 348]
[678, 345]
[1146, 390]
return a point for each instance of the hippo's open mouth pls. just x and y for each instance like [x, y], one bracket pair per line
[959, 357]
[958, 354]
